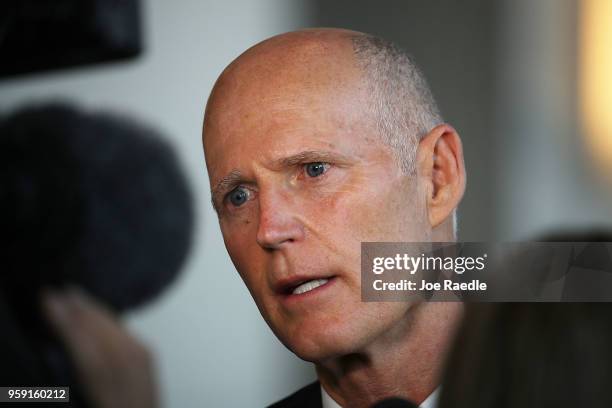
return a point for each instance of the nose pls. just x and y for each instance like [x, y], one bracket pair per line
[279, 223]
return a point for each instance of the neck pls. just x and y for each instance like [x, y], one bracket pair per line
[404, 362]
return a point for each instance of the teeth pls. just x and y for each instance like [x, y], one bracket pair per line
[308, 286]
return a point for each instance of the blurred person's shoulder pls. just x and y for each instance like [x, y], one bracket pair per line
[306, 397]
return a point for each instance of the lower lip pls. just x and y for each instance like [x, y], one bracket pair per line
[311, 293]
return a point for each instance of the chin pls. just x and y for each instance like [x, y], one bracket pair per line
[318, 340]
[321, 343]
[319, 352]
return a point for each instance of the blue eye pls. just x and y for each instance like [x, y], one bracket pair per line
[316, 169]
[238, 196]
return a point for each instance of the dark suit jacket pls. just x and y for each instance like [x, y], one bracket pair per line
[307, 397]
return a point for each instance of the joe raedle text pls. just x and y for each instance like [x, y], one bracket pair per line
[426, 273]
[424, 285]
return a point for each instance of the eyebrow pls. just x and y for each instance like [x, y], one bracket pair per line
[310, 156]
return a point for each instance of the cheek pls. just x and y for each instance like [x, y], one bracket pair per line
[363, 215]
[240, 247]
[379, 212]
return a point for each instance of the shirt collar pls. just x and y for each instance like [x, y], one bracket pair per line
[327, 400]
[430, 402]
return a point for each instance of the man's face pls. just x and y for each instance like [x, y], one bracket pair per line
[300, 179]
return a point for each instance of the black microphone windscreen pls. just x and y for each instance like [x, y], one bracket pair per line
[93, 200]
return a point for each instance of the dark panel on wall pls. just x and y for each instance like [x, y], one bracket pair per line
[43, 35]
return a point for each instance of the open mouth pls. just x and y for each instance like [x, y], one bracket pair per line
[300, 286]
[308, 286]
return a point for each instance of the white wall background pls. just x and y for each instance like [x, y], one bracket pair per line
[213, 348]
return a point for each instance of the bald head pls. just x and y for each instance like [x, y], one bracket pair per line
[390, 90]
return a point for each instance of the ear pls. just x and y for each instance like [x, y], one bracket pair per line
[440, 166]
